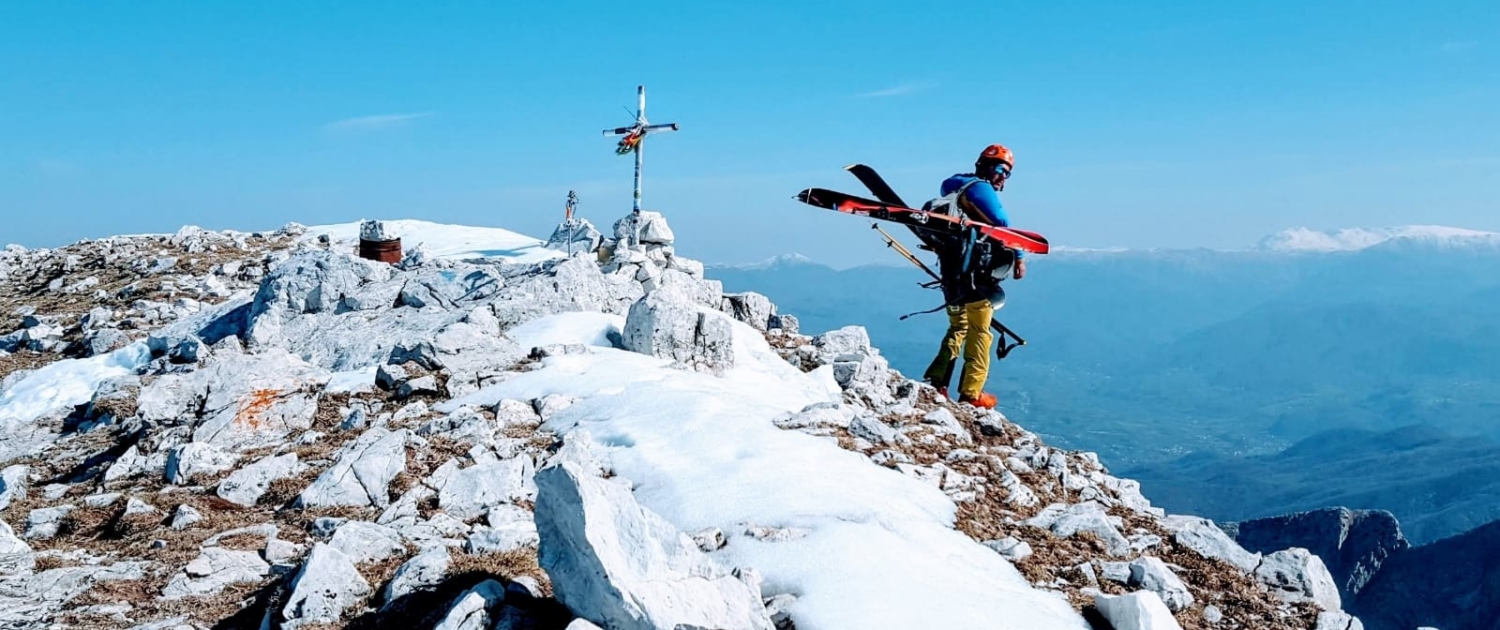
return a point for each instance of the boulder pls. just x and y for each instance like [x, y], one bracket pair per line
[214, 570]
[575, 235]
[42, 524]
[185, 516]
[1340, 620]
[1153, 575]
[850, 343]
[246, 485]
[237, 402]
[750, 307]
[362, 474]
[614, 562]
[475, 609]
[316, 281]
[1012, 548]
[425, 570]
[472, 491]
[9, 543]
[1296, 575]
[1202, 536]
[1066, 520]
[365, 542]
[1141, 610]
[666, 324]
[325, 587]
[817, 416]
[195, 461]
[643, 228]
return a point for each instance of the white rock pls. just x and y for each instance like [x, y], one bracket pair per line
[1339, 620]
[137, 507]
[850, 343]
[246, 485]
[668, 325]
[128, 464]
[1296, 575]
[1203, 536]
[1066, 520]
[1153, 575]
[362, 474]
[817, 415]
[750, 307]
[283, 553]
[102, 500]
[425, 570]
[9, 544]
[43, 523]
[196, 460]
[366, 542]
[1141, 610]
[472, 491]
[326, 586]
[185, 516]
[214, 570]
[14, 483]
[471, 611]
[946, 424]
[710, 540]
[613, 561]
[1012, 548]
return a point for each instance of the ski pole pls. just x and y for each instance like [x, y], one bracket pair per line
[892, 243]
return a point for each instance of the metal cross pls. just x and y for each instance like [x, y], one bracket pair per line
[634, 139]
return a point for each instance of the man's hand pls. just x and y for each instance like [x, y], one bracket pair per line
[1020, 269]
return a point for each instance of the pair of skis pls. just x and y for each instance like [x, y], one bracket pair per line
[890, 207]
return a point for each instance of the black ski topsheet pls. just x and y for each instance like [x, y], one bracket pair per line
[876, 184]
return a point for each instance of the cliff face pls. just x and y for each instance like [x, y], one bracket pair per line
[1452, 584]
[1353, 543]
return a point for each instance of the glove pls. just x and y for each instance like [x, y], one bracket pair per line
[1020, 268]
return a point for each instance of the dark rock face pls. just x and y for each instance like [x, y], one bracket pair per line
[1452, 584]
[1354, 544]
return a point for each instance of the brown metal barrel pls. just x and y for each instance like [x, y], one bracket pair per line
[383, 251]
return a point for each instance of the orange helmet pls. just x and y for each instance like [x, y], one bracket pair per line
[998, 153]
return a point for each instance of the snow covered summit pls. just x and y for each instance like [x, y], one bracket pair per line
[1353, 239]
[264, 427]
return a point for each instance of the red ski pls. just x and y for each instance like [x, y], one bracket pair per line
[859, 206]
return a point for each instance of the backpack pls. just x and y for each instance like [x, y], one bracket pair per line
[981, 257]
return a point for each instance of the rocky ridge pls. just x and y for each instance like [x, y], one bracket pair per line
[276, 458]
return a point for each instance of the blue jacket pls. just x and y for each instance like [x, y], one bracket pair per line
[982, 198]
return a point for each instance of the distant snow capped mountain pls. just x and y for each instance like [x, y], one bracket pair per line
[774, 262]
[1353, 239]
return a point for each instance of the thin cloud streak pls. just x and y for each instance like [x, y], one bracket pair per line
[897, 90]
[371, 123]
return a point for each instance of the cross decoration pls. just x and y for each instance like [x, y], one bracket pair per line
[634, 138]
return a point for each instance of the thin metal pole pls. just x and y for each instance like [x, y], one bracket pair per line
[640, 119]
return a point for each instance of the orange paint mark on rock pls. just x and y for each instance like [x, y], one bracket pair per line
[253, 406]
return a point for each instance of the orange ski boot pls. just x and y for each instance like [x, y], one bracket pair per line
[984, 400]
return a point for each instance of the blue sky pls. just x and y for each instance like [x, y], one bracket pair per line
[1147, 125]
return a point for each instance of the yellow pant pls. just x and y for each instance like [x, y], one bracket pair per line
[969, 331]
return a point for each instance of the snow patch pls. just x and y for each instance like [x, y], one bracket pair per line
[703, 451]
[440, 240]
[586, 327]
[67, 383]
